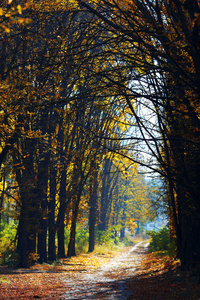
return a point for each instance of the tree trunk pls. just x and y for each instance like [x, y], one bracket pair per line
[61, 216]
[104, 208]
[27, 228]
[22, 242]
[2, 193]
[51, 216]
[61, 231]
[71, 247]
[29, 216]
[93, 205]
[122, 233]
[42, 241]
[42, 185]
[108, 186]
[137, 230]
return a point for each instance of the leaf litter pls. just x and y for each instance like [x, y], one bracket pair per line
[132, 274]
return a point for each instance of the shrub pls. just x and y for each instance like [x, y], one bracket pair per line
[106, 238]
[161, 242]
[7, 244]
[127, 242]
[82, 237]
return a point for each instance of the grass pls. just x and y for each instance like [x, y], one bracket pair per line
[105, 250]
[139, 238]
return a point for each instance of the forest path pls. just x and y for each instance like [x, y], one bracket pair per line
[109, 281]
[133, 274]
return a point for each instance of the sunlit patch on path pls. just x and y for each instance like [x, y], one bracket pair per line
[109, 280]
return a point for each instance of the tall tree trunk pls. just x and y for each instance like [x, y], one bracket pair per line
[42, 240]
[93, 205]
[108, 186]
[51, 215]
[71, 247]
[27, 229]
[122, 232]
[186, 163]
[42, 186]
[22, 242]
[60, 225]
[42, 198]
[104, 204]
[61, 216]
[29, 216]
[2, 193]
[137, 230]
[42, 235]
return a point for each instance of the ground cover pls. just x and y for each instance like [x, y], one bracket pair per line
[46, 281]
[138, 274]
[160, 278]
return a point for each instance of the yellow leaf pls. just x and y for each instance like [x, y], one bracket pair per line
[19, 8]
[57, 128]
[6, 29]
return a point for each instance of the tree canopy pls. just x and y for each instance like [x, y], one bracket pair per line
[90, 90]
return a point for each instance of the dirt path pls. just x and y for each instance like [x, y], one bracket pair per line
[132, 274]
[107, 282]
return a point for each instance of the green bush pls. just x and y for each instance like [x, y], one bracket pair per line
[82, 237]
[106, 238]
[7, 243]
[127, 242]
[161, 242]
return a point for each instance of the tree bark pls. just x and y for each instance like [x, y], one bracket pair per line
[60, 225]
[61, 216]
[71, 247]
[93, 205]
[51, 215]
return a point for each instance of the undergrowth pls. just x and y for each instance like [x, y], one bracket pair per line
[7, 243]
[161, 242]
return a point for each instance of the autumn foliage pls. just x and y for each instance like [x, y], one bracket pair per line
[94, 96]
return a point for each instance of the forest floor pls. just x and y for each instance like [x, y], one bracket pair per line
[131, 274]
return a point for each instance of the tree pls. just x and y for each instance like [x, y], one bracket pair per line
[160, 48]
[93, 202]
[38, 78]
